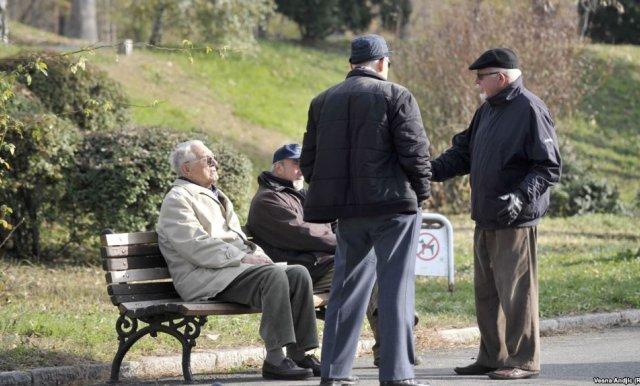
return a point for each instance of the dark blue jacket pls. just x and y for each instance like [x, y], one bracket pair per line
[510, 145]
[365, 151]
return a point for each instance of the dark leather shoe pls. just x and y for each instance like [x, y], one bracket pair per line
[404, 382]
[513, 373]
[287, 369]
[310, 362]
[352, 380]
[474, 369]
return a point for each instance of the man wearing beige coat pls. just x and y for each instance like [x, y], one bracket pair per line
[209, 257]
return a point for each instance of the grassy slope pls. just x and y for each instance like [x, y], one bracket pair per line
[256, 102]
[606, 131]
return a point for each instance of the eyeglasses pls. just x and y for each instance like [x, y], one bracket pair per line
[481, 76]
[211, 161]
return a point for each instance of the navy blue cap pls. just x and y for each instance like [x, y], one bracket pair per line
[368, 47]
[290, 151]
[496, 57]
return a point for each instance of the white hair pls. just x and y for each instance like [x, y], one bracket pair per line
[183, 152]
[371, 64]
[511, 73]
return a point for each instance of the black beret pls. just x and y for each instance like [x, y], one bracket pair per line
[496, 57]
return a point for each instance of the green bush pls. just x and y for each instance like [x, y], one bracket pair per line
[34, 184]
[74, 90]
[121, 177]
[579, 192]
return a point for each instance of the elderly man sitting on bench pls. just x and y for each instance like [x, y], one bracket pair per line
[210, 258]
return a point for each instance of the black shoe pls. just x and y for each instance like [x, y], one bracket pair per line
[352, 380]
[404, 382]
[310, 362]
[474, 369]
[287, 369]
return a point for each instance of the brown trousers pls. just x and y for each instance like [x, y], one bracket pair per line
[506, 294]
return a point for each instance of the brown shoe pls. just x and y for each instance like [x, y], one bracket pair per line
[474, 369]
[513, 373]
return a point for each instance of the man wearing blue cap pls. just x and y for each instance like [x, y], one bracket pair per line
[510, 152]
[365, 155]
[277, 224]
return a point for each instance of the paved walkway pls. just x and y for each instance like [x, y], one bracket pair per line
[573, 359]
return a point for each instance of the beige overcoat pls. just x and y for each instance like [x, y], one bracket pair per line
[200, 238]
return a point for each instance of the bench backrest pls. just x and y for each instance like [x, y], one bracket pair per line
[136, 270]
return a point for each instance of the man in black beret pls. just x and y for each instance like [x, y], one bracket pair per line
[511, 153]
[365, 156]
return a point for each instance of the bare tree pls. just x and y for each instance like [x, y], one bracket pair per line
[84, 21]
[4, 22]
[156, 29]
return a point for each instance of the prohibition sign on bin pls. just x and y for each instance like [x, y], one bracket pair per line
[430, 247]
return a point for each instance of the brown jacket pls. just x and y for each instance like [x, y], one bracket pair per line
[276, 223]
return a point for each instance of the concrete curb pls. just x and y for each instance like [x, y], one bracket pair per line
[203, 362]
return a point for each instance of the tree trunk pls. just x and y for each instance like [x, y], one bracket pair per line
[84, 23]
[4, 22]
[157, 29]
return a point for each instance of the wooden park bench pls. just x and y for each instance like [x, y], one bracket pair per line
[139, 284]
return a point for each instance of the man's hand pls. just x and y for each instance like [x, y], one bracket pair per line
[513, 206]
[256, 260]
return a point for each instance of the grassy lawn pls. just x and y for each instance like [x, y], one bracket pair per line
[62, 315]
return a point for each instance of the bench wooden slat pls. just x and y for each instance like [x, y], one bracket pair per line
[117, 299]
[137, 275]
[130, 250]
[140, 288]
[177, 306]
[112, 239]
[135, 262]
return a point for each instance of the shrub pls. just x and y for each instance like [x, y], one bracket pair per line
[34, 184]
[121, 177]
[579, 192]
[74, 90]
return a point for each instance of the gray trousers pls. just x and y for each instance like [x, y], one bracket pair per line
[506, 294]
[285, 297]
[393, 239]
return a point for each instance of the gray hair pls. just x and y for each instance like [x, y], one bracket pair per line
[183, 152]
[371, 64]
[511, 73]
[273, 166]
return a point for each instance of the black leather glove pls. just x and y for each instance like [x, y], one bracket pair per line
[513, 206]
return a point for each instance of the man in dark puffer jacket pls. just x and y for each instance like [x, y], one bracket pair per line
[510, 152]
[365, 156]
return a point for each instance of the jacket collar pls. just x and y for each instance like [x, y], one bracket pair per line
[268, 181]
[508, 94]
[195, 189]
[364, 71]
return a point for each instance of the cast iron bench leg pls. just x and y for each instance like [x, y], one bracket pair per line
[130, 335]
